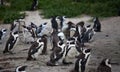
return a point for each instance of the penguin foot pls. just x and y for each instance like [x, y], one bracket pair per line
[66, 63]
[11, 52]
[50, 64]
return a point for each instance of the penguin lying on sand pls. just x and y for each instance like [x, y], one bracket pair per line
[11, 42]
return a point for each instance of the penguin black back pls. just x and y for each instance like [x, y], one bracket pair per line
[97, 25]
[54, 23]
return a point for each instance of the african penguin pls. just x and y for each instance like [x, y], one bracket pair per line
[79, 33]
[57, 55]
[2, 33]
[62, 19]
[20, 69]
[88, 34]
[105, 66]
[35, 49]
[44, 38]
[11, 42]
[34, 5]
[72, 51]
[69, 29]
[81, 61]
[97, 25]
[54, 23]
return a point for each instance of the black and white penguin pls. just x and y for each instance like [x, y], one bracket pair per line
[35, 49]
[54, 23]
[62, 20]
[97, 25]
[105, 66]
[72, 49]
[2, 33]
[79, 33]
[82, 60]
[88, 34]
[57, 54]
[34, 5]
[11, 42]
[44, 39]
[20, 69]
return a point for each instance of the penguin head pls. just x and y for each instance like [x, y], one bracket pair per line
[62, 18]
[95, 19]
[81, 23]
[33, 25]
[20, 69]
[15, 34]
[106, 62]
[58, 19]
[39, 40]
[71, 25]
[4, 30]
[43, 25]
[86, 51]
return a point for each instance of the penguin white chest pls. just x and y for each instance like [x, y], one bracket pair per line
[39, 50]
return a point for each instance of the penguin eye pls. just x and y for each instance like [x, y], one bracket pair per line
[109, 62]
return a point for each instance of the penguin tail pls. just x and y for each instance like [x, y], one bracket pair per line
[29, 58]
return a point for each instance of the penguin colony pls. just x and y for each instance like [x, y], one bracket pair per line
[67, 40]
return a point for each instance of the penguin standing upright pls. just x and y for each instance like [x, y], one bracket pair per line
[34, 5]
[88, 34]
[82, 61]
[44, 38]
[54, 23]
[97, 25]
[12, 41]
[2, 33]
[105, 66]
[35, 49]
[58, 54]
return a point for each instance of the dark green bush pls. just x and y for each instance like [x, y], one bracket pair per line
[69, 8]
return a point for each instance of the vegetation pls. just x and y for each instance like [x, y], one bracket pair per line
[70, 8]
